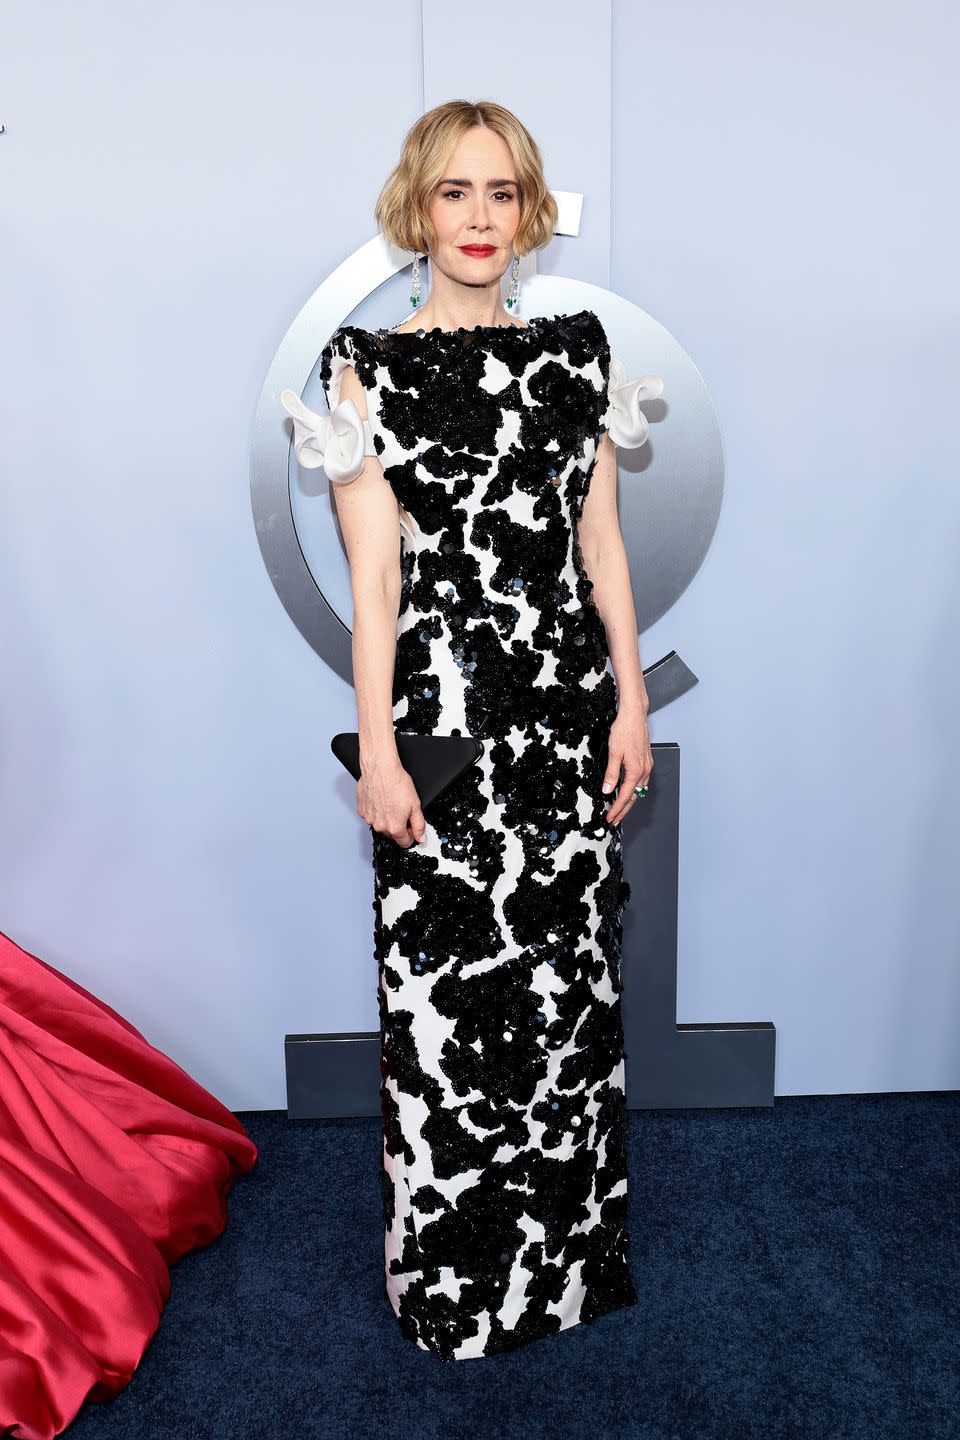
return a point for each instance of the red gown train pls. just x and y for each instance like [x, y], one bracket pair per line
[113, 1164]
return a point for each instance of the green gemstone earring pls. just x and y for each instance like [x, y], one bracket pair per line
[415, 291]
[511, 299]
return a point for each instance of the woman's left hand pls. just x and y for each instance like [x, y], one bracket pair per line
[628, 748]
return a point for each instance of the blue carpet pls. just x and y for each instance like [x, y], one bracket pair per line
[797, 1270]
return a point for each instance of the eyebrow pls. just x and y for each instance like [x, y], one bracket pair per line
[452, 180]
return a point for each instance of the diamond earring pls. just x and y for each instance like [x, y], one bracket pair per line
[514, 293]
[415, 289]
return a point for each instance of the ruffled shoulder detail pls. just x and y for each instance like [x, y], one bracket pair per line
[622, 417]
[341, 440]
[620, 401]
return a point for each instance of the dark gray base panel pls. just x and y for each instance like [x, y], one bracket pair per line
[669, 1066]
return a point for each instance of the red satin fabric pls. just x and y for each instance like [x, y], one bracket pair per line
[113, 1164]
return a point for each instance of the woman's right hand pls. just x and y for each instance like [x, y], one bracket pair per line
[387, 799]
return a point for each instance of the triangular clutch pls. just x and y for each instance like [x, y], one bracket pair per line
[431, 761]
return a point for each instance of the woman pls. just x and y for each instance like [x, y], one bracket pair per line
[476, 494]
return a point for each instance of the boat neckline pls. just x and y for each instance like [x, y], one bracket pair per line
[435, 332]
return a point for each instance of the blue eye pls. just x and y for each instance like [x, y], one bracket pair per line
[505, 196]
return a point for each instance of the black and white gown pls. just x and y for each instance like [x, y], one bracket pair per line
[497, 938]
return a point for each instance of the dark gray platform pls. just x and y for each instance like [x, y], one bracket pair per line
[668, 1065]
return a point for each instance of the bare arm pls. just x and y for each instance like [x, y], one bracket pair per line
[605, 561]
[370, 523]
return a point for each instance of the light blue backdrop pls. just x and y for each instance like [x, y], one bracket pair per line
[770, 183]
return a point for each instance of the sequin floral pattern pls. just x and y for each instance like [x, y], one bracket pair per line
[497, 939]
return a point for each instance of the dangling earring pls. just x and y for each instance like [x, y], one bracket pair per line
[514, 283]
[415, 290]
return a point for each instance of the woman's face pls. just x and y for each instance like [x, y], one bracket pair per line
[476, 204]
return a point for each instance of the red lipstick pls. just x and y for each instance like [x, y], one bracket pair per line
[481, 251]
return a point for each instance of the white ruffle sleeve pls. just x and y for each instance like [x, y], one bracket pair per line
[338, 441]
[623, 417]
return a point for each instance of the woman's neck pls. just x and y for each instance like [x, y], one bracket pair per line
[432, 320]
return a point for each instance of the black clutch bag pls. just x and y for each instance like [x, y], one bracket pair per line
[431, 761]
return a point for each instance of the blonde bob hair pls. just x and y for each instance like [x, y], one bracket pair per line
[401, 208]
